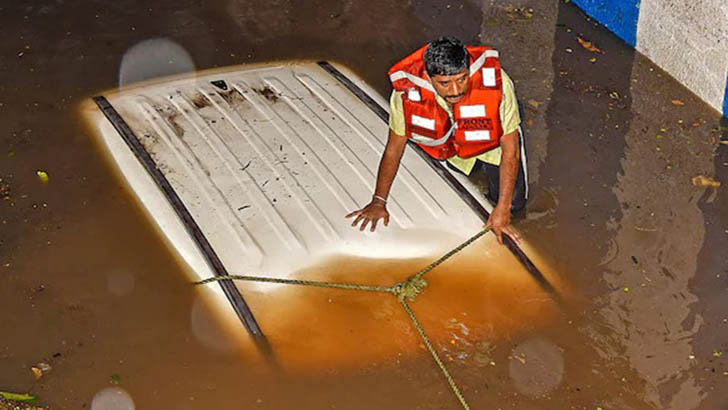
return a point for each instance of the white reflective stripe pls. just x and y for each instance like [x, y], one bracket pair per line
[481, 60]
[420, 82]
[472, 111]
[523, 158]
[421, 139]
[482, 135]
[428, 123]
[489, 77]
[413, 95]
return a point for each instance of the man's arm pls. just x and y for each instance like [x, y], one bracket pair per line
[500, 219]
[388, 166]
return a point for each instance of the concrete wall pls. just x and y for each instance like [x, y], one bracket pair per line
[687, 38]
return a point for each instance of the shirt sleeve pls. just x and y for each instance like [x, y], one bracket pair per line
[509, 116]
[396, 113]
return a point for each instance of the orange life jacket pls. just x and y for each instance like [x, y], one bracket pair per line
[476, 126]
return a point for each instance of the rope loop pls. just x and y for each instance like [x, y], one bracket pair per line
[410, 288]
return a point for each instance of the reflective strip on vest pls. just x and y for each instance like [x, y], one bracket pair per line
[414, 95]
[420, 82]
[481, 135]
[477, 64]
[429, 142]
[423, 122]
[489, 77]
[472, 111]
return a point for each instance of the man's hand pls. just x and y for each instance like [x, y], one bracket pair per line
[371, 213]
[377, 208]
[500, 221]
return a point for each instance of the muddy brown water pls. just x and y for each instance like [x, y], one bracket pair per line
[88, 286]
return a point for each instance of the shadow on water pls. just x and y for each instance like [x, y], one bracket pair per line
[710, 282]
[587, 118]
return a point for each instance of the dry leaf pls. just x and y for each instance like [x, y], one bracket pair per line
[677, 102]
[588, 45]
[37, 373]
[534, 103]
[703, 181]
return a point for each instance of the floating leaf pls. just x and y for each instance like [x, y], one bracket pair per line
[703, 181]
[588, 45]
[18, 397]
[677, 102]
[519, 13]
[37, 373]
[115, 378]
[43, 176]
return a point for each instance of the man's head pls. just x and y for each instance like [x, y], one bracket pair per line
[447, 63]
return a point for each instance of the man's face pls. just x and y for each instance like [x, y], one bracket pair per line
[451, 87]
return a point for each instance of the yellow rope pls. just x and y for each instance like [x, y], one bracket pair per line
[408, 289]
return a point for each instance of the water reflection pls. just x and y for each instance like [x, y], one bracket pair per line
[153, 58]
[112, 398]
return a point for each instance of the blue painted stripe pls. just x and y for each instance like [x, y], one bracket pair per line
[619, 16]
[725, 98]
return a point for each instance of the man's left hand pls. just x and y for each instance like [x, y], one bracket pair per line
[500, 221]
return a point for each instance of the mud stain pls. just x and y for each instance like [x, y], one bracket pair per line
[233, 96]
[200, 101]
[268, 93]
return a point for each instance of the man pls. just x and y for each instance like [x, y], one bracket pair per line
[457, 104]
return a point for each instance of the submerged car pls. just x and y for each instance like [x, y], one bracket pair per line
[250, 171]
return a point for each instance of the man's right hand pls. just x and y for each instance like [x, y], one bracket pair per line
[371, 213]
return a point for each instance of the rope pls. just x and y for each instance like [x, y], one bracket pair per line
[439, 362]
[348, 286]
[455, 250]
[408, 289]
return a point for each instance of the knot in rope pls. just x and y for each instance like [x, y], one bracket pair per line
[410, 288]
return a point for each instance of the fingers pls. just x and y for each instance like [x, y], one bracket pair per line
[349, 215]
[368, 215]
[512, 233]
[499, 235]
[359, 217]
[364, 224]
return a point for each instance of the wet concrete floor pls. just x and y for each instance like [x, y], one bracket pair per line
[91, 289]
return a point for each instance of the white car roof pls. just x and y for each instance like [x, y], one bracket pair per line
[269, 167]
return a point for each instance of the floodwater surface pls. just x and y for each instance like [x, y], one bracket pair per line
[90, 288]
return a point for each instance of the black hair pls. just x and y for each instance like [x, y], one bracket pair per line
[446, 56]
